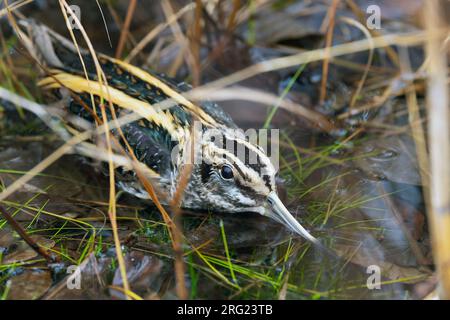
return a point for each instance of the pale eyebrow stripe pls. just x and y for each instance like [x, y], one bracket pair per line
[147, 77]
[238, 164]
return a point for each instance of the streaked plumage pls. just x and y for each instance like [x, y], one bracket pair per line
[220, 182]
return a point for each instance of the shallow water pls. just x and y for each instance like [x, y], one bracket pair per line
[365, 222]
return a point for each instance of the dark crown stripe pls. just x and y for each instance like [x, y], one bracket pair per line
[166, 88]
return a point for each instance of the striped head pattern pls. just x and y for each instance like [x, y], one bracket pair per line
[230, 172]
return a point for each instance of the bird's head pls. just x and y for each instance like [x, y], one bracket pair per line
[235, 175]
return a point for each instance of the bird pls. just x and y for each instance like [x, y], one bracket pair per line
[163, 140]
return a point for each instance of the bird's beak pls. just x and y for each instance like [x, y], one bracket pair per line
[278, 212]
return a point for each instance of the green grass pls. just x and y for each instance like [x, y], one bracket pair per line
[290, 264]
[286, 90]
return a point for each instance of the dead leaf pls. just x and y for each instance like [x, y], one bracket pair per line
[143, 272]
[389, 270]
[389, 158]
[24, 252]
[30, 285]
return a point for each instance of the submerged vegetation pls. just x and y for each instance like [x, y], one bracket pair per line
[354, 162]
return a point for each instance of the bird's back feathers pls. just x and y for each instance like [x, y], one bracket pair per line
[128, 88]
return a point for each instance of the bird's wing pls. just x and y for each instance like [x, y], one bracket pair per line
[127, 86]
[209, 107]
[150, 143]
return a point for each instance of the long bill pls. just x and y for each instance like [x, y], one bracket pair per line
[280, 213]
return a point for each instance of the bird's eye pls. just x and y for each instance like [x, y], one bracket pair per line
[226, 172]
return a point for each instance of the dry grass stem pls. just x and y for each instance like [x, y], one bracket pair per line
[328, 41]
[438, 139]
[157, 30]
[24, 235]
[126, 28]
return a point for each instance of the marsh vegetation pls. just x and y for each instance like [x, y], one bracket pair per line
[356, 154]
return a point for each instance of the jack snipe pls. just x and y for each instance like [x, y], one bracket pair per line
[222, 181]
